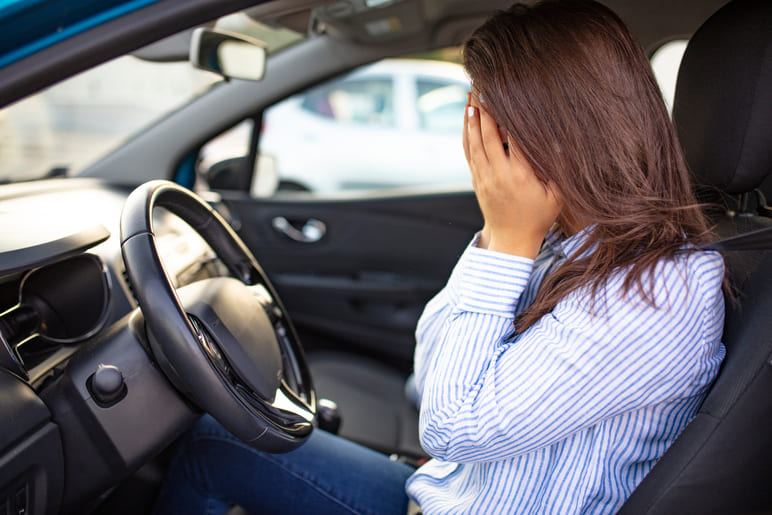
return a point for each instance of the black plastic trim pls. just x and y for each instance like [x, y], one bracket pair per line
[24, 255]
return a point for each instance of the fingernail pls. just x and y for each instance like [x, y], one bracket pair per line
[470, 111]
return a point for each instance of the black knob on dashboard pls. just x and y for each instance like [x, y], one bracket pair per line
[107, 385]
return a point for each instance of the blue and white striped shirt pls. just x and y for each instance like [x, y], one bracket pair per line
[570, 415]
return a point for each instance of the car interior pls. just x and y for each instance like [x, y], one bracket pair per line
[121, 289]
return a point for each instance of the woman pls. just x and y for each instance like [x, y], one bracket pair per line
[579, 331]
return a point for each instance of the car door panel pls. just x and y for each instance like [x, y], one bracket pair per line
[363, 284]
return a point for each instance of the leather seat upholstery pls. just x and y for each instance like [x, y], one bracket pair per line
[722, 461]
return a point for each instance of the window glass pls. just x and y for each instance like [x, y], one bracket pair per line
[394, 123]
[67, 127]
[439, 103]
[230, 144]
[665, 62]
[360, 101]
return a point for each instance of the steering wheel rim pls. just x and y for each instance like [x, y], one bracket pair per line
[244, 366]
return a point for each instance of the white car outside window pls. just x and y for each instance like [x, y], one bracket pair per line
[394, 123]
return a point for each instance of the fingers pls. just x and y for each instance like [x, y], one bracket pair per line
[491, 140]
[464, 138]
[477, 155]
[482, 139]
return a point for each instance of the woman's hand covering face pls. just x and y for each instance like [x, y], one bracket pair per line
[518, 208]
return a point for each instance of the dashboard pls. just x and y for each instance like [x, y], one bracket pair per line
[67, 314]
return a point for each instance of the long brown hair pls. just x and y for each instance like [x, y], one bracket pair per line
[573, 88]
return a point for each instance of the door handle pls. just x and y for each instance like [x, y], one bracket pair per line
[312, 231]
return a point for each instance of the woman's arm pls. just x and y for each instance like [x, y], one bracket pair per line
[498, 280]
[487, 400]
[518, 210]
[517, 206]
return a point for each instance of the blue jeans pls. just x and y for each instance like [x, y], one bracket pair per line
[212, 469]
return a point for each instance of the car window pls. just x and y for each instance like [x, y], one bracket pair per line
[228, 145]
[358, 101]
[439, 103]
[394, 123]
[665, 63]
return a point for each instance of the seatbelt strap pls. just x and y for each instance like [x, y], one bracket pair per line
[760, 239]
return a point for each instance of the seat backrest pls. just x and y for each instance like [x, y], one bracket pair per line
[722, 461]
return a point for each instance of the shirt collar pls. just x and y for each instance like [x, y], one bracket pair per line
[567, 247]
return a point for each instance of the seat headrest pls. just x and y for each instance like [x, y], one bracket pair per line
[723, 101]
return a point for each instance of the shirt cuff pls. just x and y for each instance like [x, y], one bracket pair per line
[486, 281]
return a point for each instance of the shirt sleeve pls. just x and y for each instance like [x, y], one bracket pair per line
[486, 398]
[483, 281]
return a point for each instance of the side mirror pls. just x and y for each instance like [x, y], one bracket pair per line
[229, 174]
[230, 55]
[234, 174]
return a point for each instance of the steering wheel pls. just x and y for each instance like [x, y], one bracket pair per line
[226, 342]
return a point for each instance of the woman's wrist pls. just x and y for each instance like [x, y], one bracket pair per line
[516, 245]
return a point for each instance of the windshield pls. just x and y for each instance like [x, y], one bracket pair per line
[63, 129]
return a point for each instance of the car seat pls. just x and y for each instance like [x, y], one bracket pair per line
[722, 461]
